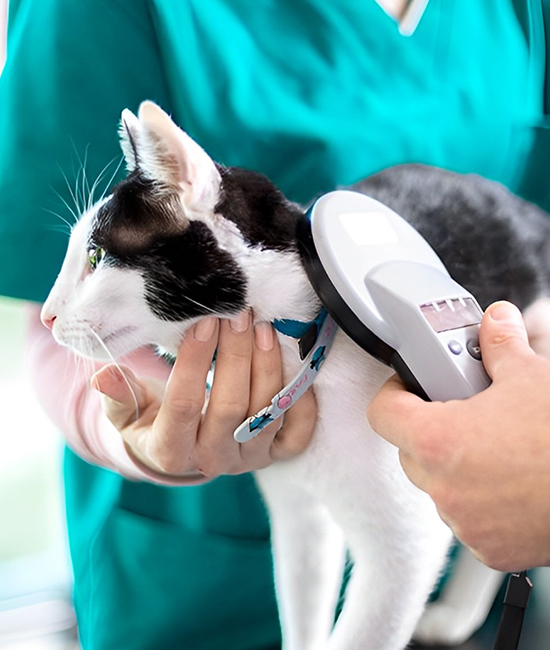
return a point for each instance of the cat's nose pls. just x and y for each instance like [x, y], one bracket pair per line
[48, 320]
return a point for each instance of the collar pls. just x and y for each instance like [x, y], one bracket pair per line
[296, 328]
[321, 333]
[306, 333]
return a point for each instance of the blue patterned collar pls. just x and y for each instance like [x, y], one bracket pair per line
[296, 328]
[315, 339]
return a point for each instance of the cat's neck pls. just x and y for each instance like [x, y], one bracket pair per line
[278, 287]
[258, 227]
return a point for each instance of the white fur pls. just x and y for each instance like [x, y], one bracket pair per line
[347, 490]
[350, 480]
[464, 604]
[105, 301]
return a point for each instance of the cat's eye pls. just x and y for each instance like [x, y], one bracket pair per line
[95, 255]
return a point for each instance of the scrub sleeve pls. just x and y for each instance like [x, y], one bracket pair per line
[315, 94]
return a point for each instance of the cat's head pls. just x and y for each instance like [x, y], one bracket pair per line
[180, 238]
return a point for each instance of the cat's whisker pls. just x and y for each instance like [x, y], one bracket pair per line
[78, 212]
[78, 191]
[81, 181]
[85, 187]
[110, 181]
[76, 215]
[56, 214]
[59, 229]
[101, 342]
[98, 180]
[209, 310]
[72, 356]
[86, 360]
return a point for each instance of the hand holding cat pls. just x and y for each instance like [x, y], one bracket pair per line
[174, 434]
[485, 461]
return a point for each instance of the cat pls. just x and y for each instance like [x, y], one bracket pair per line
[183, 237]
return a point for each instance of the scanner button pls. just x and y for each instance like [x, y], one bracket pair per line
[473, 348]
[455, 347]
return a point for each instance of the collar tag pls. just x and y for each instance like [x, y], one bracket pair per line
[292, 392]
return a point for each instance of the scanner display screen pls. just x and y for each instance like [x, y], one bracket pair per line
[444, 315]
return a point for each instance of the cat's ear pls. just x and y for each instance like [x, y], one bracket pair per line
[169, 155]
[129, 135]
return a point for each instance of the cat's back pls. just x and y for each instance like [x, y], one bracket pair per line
[494, 243]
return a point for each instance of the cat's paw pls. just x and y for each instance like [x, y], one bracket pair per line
[445, 625]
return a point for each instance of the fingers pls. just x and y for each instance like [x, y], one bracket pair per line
[173, 438]
[391, 412]
[503, 339]
[249, 372]
[228, 406]
[175, 434]
[266, 380]
[124, 395]
[296, 433]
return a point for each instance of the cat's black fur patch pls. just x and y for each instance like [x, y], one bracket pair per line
[260, 210]
[186, 273]
[134, 216]
[492, 242]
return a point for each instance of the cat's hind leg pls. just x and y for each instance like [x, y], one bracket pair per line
[309, 556]
[386, 595]
[463, 604]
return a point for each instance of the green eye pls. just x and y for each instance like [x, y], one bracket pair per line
[95, 255]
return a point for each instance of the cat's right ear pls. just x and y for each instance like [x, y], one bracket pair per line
[172, 158]
[129, 136]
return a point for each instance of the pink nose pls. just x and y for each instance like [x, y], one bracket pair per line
[48, 320]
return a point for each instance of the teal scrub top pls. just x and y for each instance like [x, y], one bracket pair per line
[315, 94]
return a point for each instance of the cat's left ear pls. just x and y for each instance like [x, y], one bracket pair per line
[170, 156]
[129, 135]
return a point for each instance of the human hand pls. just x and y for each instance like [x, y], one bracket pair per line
[485, 461]
[173, 436]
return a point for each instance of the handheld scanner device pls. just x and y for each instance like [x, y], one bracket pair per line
[387, 289]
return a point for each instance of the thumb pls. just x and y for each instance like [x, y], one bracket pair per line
[124, 396]
[503, 338]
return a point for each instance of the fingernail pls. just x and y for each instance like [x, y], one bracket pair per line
[263, 335]
[241, 322]
[204, 329]
[503, 311]
[99, 375]
[99, 388]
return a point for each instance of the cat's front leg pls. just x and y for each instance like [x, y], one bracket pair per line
[309, 554]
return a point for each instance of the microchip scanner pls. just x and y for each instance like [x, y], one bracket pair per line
[387, 289]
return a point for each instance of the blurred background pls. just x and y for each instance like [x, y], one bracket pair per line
[35, 582]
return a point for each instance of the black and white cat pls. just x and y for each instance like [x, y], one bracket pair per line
[182, 237]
